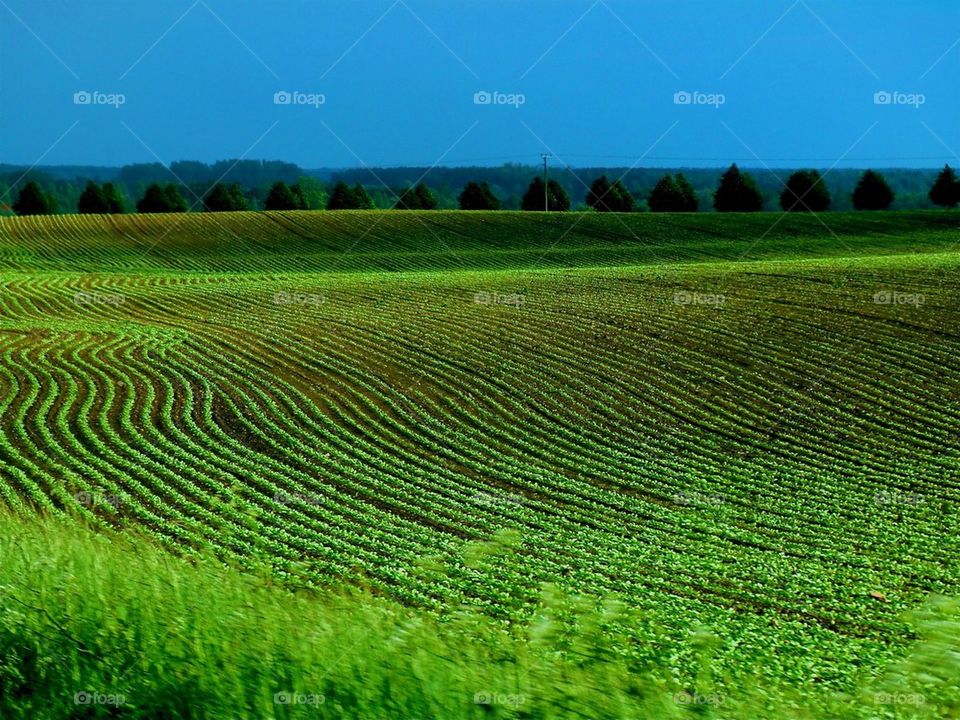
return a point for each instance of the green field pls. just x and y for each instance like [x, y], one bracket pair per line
[741, 430]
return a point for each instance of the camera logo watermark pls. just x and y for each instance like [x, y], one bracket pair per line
[89, 697]
[892, 297]
[86, 97]
[314, 100]
[497, 298]
[98, 298]
[297, 698]
[714, 100]
[298, 298]
[685, 297]
[491, 698]
[482, 97]
[914, 100]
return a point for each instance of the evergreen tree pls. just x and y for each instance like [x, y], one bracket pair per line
[666, 196]
[534, 198]
[408, 200]
[300, 196]
[225, 198]
[872, 192]
[688, 196]
[557, 198]
[342, 198]
[946, 190]
[620, 198]
[311, 192]
[805, 191]
[478, 197]
[32, 200]
[154, 200]
[281, 197]
[416, 198]
[92, 200]
[161, 199]
[605, 196]
[115, 199]
[361, 198]
[599, 194]
[174, 199]
[737, 192]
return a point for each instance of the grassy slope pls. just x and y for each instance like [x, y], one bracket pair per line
[368, 241]
[715, 466]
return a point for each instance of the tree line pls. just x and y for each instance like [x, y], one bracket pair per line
[508, 182]
[737, 191]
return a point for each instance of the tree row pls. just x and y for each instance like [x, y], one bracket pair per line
[804, 191]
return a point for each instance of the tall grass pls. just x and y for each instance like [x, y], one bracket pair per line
[93, 625]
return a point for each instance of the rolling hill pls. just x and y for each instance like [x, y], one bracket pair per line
[741, 423]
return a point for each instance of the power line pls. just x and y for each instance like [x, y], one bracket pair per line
[680, 159]
[751, 158]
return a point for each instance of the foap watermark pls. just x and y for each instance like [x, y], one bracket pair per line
[695, 698]
[896, 497]
[298, 298]
[95, 97]
[714, 100]
[92, 297]
[506, 699]
[686, 297]
[494, 499]
[293, 498]
[695, 499]
[914, 100]
[284, 97]
[298, 698]
[892, 297]
[90, 697]
[92, 499]
[498, 298]
[884, 698]
[482, 97]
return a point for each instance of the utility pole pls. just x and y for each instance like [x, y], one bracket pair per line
[546, 194]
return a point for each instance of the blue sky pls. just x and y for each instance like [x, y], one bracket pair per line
[595, 83]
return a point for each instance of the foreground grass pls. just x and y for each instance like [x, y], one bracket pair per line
[93, 625]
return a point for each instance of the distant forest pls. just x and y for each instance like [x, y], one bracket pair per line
[508, 182]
